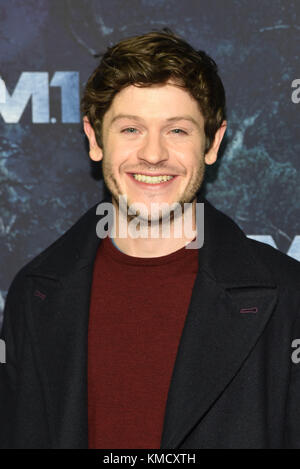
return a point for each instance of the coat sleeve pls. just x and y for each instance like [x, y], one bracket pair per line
[8, 370]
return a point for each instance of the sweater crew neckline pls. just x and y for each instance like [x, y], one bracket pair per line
[124, 258]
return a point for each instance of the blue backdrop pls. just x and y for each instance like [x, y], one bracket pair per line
[47, 52]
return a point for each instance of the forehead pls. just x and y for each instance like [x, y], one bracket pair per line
[156, 101]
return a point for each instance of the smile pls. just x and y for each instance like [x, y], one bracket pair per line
[151, 179]
[152, 182]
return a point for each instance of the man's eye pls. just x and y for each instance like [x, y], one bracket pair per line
[129, 130]
[179, 131]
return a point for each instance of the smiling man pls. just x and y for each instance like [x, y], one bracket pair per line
[150, 341]
[153, 152]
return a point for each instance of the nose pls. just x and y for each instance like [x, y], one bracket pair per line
[153, 149]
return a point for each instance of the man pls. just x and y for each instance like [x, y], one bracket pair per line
[150, 341]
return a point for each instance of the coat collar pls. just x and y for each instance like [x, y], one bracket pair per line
[220, 255]
[216, 339]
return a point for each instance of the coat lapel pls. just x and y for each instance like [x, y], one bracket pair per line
[232, 299]
[58, 312]
[216, 339]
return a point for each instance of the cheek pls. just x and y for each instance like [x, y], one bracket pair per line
[188, 155]
[121, 148]
[117, 160]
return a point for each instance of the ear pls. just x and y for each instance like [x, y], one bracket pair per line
[95, 153]
[212, 154]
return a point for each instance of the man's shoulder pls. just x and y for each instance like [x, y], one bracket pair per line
[56, 249]
[285, 269]
[282, 268]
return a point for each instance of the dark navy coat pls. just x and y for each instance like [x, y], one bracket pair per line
[234, 382]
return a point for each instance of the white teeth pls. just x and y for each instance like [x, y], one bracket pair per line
[151, 179]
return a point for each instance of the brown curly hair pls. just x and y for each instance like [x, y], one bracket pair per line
[154, 58]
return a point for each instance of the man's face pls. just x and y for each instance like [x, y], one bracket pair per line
[157, 131]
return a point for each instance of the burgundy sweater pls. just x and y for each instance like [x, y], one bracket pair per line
[137, 312]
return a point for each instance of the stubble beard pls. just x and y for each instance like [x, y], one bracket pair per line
[188, 196]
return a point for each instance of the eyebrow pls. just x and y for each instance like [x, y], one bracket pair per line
[170, 119]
